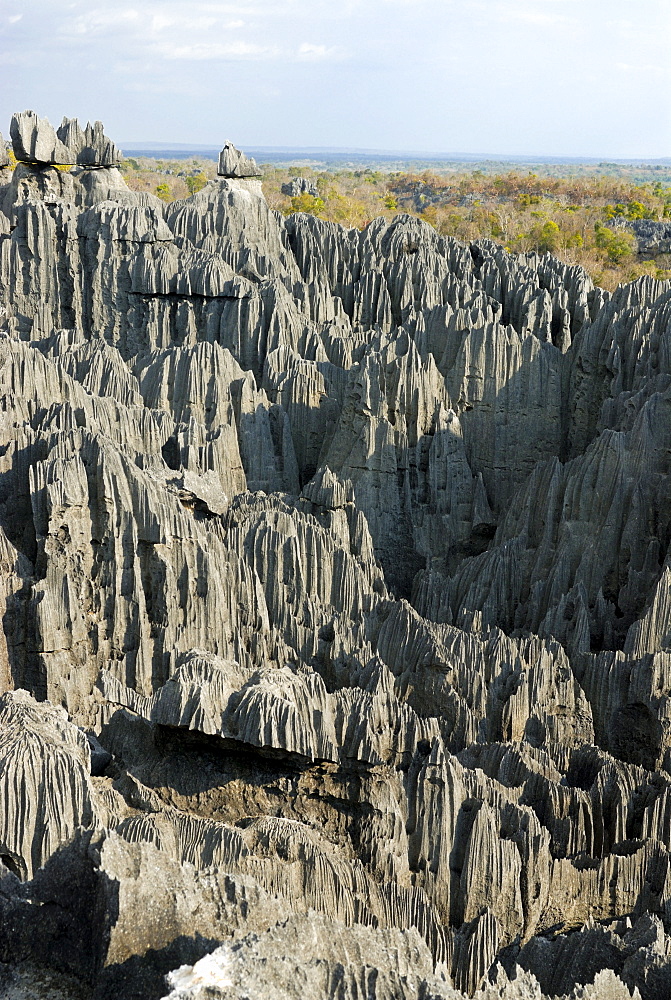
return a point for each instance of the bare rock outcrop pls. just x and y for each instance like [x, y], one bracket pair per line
[317, 960]
[299, 186]
[336, 607]
[35, 140]
[233, 163]
[44, 781]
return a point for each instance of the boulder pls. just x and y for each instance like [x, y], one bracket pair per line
[233, 163]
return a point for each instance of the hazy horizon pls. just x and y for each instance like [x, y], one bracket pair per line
[475, 156]
[554, 78]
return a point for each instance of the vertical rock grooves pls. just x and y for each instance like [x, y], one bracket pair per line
[336, 602]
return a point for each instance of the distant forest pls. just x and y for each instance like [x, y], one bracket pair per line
[585, 214]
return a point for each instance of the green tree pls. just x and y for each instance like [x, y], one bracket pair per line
[573, 241]
[196, 182]
[163, 191]
[306, 203]
[617, 245]
[614, 210]
[636, 210]
[545, 237]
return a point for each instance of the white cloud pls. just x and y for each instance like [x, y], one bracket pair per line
[13, 59]
[319, 53]
[198, 51]
[420, 71]
[98, 22]
[206, 32]
[217, 50]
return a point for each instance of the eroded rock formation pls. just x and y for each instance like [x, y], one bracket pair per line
[336, 597]
[36, 141]
[299, 186]
[233, 163]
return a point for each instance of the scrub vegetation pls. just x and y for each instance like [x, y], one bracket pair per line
[579, 213]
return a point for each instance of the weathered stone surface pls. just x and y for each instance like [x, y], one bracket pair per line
[233, 163]
[651, 237]
[36, 141]
[299, 186]
[345, 557]
[316, 959]
[91, 146]
[44, 786]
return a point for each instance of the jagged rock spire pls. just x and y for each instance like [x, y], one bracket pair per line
[36, 141]
[233, 163]
[352, 549]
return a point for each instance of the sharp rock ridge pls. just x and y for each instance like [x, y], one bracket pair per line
[336, 602]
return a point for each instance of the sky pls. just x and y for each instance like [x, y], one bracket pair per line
[512, 77]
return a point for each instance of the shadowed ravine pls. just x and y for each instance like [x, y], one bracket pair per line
[336, 603]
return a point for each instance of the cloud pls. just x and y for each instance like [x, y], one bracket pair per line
[198, 51]
[208, 32]
[14, 59]
[98, 22]
[217, 50]
[145, 20]
[320, 53]
[418, 71]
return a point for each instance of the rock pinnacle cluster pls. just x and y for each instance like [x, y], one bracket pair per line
[335, 657]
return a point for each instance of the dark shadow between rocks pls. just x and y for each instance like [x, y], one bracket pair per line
[62, 918]
[635, 735]
[142, 977]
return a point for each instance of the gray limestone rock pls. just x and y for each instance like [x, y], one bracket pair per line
[652, 237]
[36, 141]
[312, 957]
[45, 791]
[335, 570]
[315, 959]
[233, 163]
[299, 186]
[91, 146]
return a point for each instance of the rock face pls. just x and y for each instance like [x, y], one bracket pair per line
[651, 237]
[300, 185]
[233, 163]
[336, 603]
[36, 141]
[44, 771]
